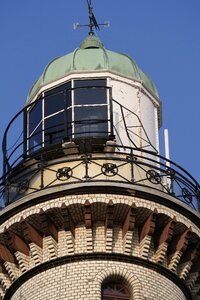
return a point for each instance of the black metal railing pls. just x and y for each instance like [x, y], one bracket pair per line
[100, 163]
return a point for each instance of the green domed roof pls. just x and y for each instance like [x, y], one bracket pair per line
[92, 56]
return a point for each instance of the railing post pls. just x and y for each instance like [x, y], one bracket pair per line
[111, 112]
[25, 146]
[7, 192]
[132, 166]
[198, 196]
[65, 115]
[4, 155]
[172, 174]
[86, 161]
[41, 166]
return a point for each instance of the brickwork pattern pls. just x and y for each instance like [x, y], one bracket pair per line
[82, 281]
[74, 203]
[112, 224]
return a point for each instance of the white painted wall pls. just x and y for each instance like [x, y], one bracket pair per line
[140, 115]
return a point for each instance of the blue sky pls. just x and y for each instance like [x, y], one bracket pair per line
[162, 36]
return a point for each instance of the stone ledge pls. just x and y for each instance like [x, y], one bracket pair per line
[101, 188]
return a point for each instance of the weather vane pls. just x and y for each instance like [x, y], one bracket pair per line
[93, 22]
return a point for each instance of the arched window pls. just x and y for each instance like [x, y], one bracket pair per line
[113, 290]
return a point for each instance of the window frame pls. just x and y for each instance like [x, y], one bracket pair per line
[29, 134]
[74, 105]
[68, 106]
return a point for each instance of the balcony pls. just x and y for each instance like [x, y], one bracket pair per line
[91, 161]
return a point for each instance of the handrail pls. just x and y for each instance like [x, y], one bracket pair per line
[151, 167]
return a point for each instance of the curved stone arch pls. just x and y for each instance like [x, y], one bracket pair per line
[123, 274]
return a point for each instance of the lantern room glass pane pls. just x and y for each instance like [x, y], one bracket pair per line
[35, 116]
[35, 141]
[90, 114]
[54, 128]
[55, 99]
[91, 121]
[90, 92]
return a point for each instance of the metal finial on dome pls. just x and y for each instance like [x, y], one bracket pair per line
[93, 22]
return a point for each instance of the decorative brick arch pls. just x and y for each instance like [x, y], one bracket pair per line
[123, 274]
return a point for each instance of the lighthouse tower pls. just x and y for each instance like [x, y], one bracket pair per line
[91, 210]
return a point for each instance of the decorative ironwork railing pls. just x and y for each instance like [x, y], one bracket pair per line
[89, 162]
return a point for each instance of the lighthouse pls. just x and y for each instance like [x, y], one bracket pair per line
[91, 210]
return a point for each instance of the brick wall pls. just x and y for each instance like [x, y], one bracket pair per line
[82, 281]
[59, 228]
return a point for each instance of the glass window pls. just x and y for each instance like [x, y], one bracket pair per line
[55, 99]
[90, 116]
[35, 127]
[46, 118]
[90, 83]
[90, 92]
[35, 116]
[55, 102]
[35, 140]
[54, 128]
[115, 291]
[91, 121]
[63, 112]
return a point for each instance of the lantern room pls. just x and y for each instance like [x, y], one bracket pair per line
[93, 93]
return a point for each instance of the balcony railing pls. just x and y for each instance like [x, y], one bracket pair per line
[87, 161]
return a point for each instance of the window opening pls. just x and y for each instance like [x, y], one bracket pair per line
[115, 291]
